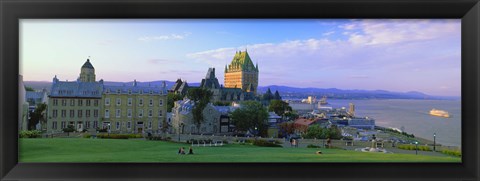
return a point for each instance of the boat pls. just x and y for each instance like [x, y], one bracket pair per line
[439, 113]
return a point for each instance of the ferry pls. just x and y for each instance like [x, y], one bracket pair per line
[440, 113]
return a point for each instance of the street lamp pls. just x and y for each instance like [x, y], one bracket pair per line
[434, 143]
[108, 129]
[416, 147]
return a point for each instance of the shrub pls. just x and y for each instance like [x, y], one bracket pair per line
[452, 152]
[30, 134]
[69, 128]
[87, 135]
[412, 147]
[313, 146]
[265, 143]
[112, 136]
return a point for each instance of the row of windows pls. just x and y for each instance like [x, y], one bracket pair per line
[63, 113]
[118, 102]
[118, 91]
[72, 102]
[129, 125]
[118, 113]
[88, 124]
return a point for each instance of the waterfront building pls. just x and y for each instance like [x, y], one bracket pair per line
[134, 108]
[351, 109]
[216, 119]
[241, 73]
[75, 103]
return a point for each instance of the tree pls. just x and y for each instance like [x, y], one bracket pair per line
[291, 115]
[250, 115]
[277, 96]
[279, 107]
[38, 115]
[171, 98]
[200, 97]
[285, 129]
[29, 88]
[315, 131]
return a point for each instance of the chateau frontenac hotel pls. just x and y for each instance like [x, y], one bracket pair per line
[241, 73]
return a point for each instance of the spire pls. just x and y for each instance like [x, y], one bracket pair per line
[226, 69]
[135, 82]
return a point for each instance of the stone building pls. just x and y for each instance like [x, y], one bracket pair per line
[34, 98]
[216, 119]
[134, 108]
[241, 73]
[75, 103]
[22, 105]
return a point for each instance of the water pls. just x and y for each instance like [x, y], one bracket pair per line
[413, 115]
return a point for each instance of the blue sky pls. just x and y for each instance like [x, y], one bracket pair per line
[395, 55]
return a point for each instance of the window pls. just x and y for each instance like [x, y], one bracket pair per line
[140, 102]
[72, 102]
[107, 113]
[54, 125]
[118, 91]
[150, 125]
[129, 91]
[119, 101]
[160, 113]
[95, 113]
[150, 113]
[118, 125]
[72, 113]
[117, 113]
[151, 102]
[129, 113]
[88, 102]
[87, 113]
[129, 102]
[95, 124]
[64, 124]
[161, 102]
[141, 91]
[107, 101]
[80, 102]
[151, 91]
[64, 113]
[80, 113]
[54, 113]
[64, 102]
[87, 124]
[129, 125]
[55, 102]
[107, 91]
[140, 113]
[95, 103]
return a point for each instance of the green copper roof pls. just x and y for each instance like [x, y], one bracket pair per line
[242, 60]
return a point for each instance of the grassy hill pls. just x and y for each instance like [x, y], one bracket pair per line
[139, 150]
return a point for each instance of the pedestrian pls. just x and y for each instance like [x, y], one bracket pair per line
[180, 150]
[190, 151]
[294, 143]
[183, 151]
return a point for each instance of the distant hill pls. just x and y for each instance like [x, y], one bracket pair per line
[285, 91]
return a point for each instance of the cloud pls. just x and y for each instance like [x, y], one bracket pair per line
[158, 60]
[328, 33]
[165, 37]
[382, 49]
[378, 32]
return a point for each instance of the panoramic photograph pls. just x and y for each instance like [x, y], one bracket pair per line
[240, 90]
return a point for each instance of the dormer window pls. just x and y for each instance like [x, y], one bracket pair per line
[151, 91]
[129, 91]
[118, 91]
[141, 91]
[108, 91]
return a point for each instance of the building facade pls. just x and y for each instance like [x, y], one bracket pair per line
[75, 103]
[134, 109]
[216, 119]
[241, 73]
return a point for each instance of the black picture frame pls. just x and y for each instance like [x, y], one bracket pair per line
[13, 10]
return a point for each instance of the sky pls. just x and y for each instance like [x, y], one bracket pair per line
[371, 54]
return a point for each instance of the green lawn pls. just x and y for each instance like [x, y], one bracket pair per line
[137, 150]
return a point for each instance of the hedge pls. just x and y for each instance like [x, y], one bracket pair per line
[412, 147]
[30, 134]
[265, 143]
[452, 152]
